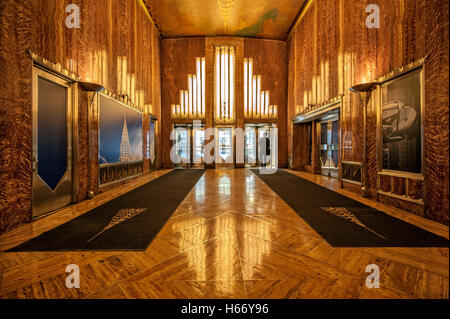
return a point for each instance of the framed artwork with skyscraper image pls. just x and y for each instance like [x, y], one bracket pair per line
[120, 132]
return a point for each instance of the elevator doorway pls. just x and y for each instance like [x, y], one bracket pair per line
[329, 146]
[52, 177]
[189, 146]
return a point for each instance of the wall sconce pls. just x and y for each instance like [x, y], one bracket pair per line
[91, 87]
[364, 90]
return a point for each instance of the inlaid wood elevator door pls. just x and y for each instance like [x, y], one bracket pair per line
[52, 143]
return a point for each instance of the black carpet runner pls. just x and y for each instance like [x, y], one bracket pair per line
[128, 222]
[344, 222]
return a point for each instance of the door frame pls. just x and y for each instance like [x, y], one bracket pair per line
[224, 164]
[71, 126]
[154, 120]
[329, 122]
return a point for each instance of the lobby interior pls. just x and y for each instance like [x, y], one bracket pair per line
[224, 149]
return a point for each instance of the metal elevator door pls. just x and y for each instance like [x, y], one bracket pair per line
[52, 143]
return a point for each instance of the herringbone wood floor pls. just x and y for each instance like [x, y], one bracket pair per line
[232, 237]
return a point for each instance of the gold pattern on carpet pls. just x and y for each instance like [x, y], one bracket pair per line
[120, 217]
[344, 213]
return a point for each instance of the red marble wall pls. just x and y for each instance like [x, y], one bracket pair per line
[116, 46]
[331, 49]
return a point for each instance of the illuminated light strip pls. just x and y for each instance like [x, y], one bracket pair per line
[254, 109]
[245, 88]
[182, 102]
[203, 86]
[218, 78]
[231, 83]
[186, 103]
[198, 110]
[226, 105]
[263, 103]
[222, 82]
[266, 111]
[194, 98]
[190, 94]
[250, 87]
[258, 95]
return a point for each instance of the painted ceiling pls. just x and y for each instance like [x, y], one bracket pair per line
[269, 19]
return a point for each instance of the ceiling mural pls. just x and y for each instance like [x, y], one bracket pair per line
[269, 19]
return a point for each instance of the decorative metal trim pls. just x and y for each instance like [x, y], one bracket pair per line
[52, 67]
[402, 70]
[315, 110]
[402, 197]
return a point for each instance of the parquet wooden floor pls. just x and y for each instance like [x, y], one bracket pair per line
[232, 237]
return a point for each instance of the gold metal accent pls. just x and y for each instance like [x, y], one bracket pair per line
[53, 68]
[364, 90]
[91, 87]
[401, 197]
[302, 13]
[147, 11]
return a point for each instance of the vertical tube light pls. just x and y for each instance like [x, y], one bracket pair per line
[263, 103]
[231, 91]
[222, 82]
[255, 110]
[186, 103]
[258, 95]
[194, 95]
[226, 83]
[203, 86]
[245, 88]
[218, 81]
[250, 87]
[199, 88]
[190, 93]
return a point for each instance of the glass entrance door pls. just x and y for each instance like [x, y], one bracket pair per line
[329, 147]
[224, 147]
[182, 147]
[250, 153]
[264, 132]
[198, 144]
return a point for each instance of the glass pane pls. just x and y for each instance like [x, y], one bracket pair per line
[182, 144]
[152, 142]
[199, 144]
[402, 132]
[250, 146]
[225, 142]
[52, 132]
